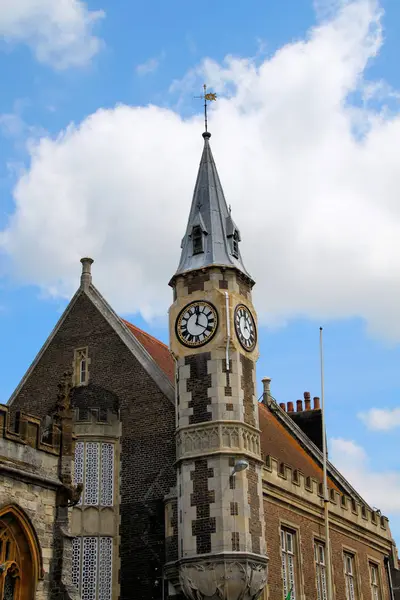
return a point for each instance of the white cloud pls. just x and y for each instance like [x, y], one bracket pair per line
[317, 205]
[381, 489]
[149, 66]
[58, 31]
[381, 419]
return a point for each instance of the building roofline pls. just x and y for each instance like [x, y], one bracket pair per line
[312, 449]
[122, 330]
[43, 349]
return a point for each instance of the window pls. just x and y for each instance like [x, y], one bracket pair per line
[320, 568]
[197, 239]
[349, 575]
[288, 549]
[94, 468]
[81, 366]
[374, 580]
[235, 244]
[9, 559]
[92, 567]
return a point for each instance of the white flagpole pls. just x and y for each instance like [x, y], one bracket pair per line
[325, 475]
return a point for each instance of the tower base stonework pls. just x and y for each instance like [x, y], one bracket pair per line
[228, 577]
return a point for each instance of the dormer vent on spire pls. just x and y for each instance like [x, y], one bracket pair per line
[198, 234]
[233, 235]
[212, 238]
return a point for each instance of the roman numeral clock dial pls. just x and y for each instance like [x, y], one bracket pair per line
[196, 324]
[245, 327]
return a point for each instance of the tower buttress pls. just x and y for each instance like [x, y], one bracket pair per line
[213, 335]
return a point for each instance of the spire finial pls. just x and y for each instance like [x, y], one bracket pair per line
[207, 97]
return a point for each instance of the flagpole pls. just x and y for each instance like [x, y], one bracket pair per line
[325, 475]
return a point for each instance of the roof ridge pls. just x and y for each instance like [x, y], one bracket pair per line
[145, 333]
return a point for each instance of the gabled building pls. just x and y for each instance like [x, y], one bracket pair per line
[191, 488]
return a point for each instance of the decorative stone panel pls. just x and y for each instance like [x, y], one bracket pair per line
[237, 577]
[218, 437]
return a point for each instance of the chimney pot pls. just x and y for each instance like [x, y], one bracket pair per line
[283, 406]
[290, 407]
[307, 403]
[86, 277]
[307, 395]
[316, 403]
[299, 405]
[266, 381]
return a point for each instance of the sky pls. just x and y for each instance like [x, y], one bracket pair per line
[100, 141]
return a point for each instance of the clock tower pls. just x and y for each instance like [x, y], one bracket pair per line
[213, 337]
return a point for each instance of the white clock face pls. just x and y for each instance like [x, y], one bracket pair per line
[245, 327]
[196, 324]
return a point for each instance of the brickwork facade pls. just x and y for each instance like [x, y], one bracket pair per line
[198, 386]
[308, 530]
[293, 503]
[147, 473]
[210, 512]
[247, 382]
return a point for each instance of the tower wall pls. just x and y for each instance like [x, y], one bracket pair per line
[219, 511]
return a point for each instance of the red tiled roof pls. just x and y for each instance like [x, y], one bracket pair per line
[157, 350]
[277, 441]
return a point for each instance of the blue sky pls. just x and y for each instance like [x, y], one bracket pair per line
[305, 136]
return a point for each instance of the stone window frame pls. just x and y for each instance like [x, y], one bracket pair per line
[294, 582]
[81, 359]
[375, 586]
[350, 576]
[320, 569]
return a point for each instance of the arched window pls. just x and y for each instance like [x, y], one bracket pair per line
[19, 556]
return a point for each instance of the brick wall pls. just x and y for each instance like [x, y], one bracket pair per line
[198, 385]
[148, 448]
[247, 383]
[307, 529]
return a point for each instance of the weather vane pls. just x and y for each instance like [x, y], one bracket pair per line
[207, 97]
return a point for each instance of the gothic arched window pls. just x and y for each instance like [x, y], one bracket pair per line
[20, 561]
[10, 559]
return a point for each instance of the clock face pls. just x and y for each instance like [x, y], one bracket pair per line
[245, 327]
[196, 324]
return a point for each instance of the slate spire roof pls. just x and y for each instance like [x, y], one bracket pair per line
[210, 220]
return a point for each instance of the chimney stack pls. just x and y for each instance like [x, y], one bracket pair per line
[86, 277]
[290, 407]
[307, 401]
[266, 390]
[299, 405]
[316, 403]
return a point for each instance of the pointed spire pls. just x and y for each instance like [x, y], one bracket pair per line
[212, 237]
